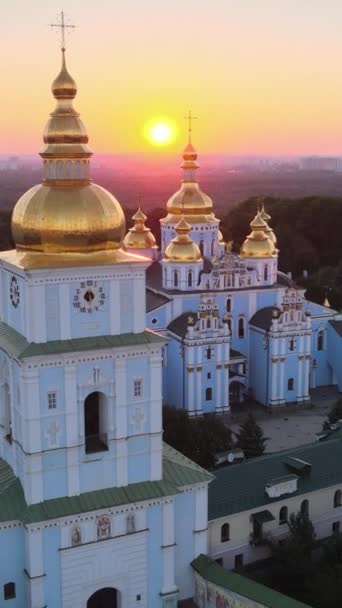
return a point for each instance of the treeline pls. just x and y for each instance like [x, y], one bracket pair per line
[309, 238]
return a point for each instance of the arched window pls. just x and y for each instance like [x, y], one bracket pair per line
[209, 353]
[225, 533]
[190, 278]
[77, 169]
[304, 507]
[266, 273]
[201, 248]
[290, 384]
[9, 591]
[337, 499]
[320, 340]
[60, 169]
[212, 248]
[229, 305]
[230, 326]
[130, 523]
[208, 322]
[95, 423]
[283, 515]
[208, 394]
[292, 344]
[175, 278]
[68, 169]
[241, 328]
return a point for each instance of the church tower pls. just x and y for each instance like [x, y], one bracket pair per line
[96, 496]
[196, 207]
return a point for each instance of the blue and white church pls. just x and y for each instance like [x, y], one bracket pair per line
[95, 511]
[235, 325]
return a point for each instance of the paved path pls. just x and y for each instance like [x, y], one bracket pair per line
[289, 426]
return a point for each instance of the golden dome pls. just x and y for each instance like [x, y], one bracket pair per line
[139, 236]
[268, 230]
[67, 219]
[263, 214]
[220, 237]
[182, 248]
[257, 244]
[189, 200]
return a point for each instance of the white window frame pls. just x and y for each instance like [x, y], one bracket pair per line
[51, 397]
[140, 394]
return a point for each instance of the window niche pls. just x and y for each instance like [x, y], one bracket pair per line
[103, 527]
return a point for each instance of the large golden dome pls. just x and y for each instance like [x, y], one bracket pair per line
[257, 244]
[182, 248]
[68, 219]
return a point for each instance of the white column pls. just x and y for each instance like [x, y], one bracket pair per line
[306, 377]
[72, 430]
[155, 401]
[282, 379]
[198, 404]
[300, 378]
[168, 548]
[121, 422]
[34, 567]
[201, 521]
[189, 377]
[65, 311]
[139, 299]
[219, 360]
[274, 368]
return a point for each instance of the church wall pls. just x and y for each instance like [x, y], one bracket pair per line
[185, 547]
[320, 367]
[138, 459]
[334, 354]
[175, 364]
[12, 556]
[97, 470]
[154, 556]
[258, 366]
[54, 474]
[52, 567]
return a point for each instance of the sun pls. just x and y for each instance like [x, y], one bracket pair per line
[160, 131]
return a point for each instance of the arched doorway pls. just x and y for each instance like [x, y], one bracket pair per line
[235, 392]
[103, 598]
[95, 423]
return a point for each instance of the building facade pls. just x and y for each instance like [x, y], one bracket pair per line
[94, 510]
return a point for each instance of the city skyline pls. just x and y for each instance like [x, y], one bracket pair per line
[261, 77]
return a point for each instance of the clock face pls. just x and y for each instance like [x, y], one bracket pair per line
[14, 292]
[89, 297]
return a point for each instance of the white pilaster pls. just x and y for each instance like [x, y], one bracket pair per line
[168, 548]
[35, 567]
[121, 422]
[201, 521]
[114, 306]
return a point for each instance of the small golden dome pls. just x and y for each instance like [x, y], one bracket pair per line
[65, 219]
[64, 86]
[264, 215]
[139, 236]
[182, 248]
[257, 244]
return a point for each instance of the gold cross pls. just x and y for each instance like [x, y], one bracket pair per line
[189, 118]
[62, 25]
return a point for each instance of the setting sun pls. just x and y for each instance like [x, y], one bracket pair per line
[160, 132]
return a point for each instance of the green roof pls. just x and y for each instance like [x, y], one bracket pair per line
[241, 487]
[16, 345]
[216, 574]
[178, 471]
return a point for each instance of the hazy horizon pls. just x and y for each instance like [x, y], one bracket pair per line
[261, 76]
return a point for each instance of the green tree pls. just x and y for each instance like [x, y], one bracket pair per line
[250, 437]
[334, 415]
[199, 439]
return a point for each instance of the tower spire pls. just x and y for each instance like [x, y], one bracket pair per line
[190, 118]
[62, 26]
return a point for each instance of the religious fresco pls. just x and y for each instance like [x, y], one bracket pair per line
[208, 595]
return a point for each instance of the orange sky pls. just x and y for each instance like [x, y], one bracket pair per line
[263, 76]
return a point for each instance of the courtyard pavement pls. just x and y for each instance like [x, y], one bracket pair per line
[291, 425]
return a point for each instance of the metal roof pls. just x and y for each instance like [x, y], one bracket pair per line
[16, 344]
[235, 583]
[178, 472]
[241, 487]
